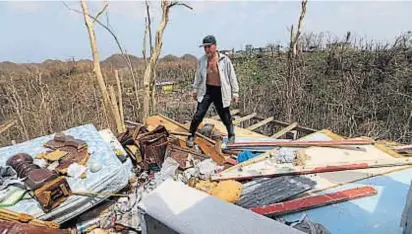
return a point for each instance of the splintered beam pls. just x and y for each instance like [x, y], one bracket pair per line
[260, 124]
[244, 118]
[283, 131]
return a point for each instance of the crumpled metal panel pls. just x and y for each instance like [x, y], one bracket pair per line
[264, 191]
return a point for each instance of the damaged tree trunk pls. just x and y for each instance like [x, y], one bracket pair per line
[96, 60]
[293, 83]
[154, 56]
[114, 112]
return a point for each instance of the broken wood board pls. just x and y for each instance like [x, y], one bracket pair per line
[299, 127]
[153, 121]
[260, 124]
[205, 145]
[232, 112]
[328, 155]
[284, 130]
[320, 135]
[307, 203]
[328, 179]
[302, 143]
[244, 118]
[271, 168]
[239, 132]
[402, 147]
[52, 156]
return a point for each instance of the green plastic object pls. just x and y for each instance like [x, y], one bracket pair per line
[13, 196]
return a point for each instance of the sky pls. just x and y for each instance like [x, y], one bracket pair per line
[33, 31]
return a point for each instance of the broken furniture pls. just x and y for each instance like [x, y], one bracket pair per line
[49, 189]
[76, 151]
[153, 147]
[112, 177]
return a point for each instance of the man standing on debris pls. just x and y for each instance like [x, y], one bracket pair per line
[215, 81]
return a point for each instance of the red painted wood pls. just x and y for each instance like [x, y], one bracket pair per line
[315, 201]
[301, 143]
[231, 161]
[338, 168]
[303, 171]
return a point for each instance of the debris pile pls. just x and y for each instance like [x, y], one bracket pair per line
[147, 180]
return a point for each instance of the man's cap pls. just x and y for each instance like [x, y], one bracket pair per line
[208, 40]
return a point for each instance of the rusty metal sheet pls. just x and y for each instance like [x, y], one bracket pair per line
[11, 227]
[153, 145]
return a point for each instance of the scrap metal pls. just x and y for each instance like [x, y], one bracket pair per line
[265, 191]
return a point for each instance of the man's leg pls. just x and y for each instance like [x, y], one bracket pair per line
[225, 116]
[201, 111]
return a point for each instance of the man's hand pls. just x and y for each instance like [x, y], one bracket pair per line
[235, 99]
[195, 96]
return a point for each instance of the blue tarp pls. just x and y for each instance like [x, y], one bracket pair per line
[110, 179]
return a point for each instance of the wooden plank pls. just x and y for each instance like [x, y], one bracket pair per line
[328, 155]
[301, 143]
[260, 124]
[181, 128]
[307, 203]
[269, 153]
[311, 169]
[180, 133]
[239, 132]
[244, 118]
[232, 112]
[210, 150]
[251, 161]
[299, 127]
[402, 147]
[283, 131]
[5, 126]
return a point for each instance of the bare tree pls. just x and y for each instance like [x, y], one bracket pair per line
[293, 84]
[148, 30]
[294, 38]
[154, 56]
[95, 53]
[96, 66]
[124, 53]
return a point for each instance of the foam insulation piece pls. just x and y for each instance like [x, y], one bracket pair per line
[186, 210]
